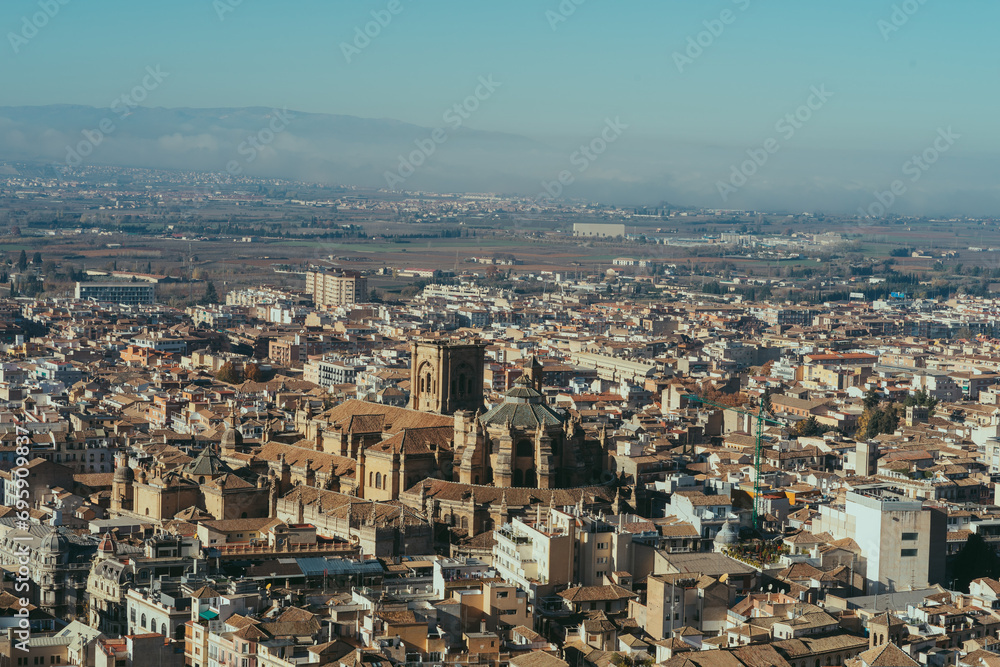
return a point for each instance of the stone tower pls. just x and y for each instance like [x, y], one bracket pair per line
[447, 376]
[121, 488]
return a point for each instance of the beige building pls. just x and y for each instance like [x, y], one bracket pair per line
[903, 540]
[336, 289]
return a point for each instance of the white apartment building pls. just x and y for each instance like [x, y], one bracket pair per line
[560, 548]
[903, 541]
[535, 556]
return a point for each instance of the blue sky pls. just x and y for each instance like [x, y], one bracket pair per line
[891, 90]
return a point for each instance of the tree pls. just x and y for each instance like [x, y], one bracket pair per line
[807, 427]
[253, 373]
[921, 398]
[625, 660]
[22, 262]
[228, 374]
[211, 296]
[872, 399]
[36, 259]
[876, 421]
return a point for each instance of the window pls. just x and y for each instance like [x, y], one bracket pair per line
[909, 537]
[602, 545]
[502, 594]
[908, 553]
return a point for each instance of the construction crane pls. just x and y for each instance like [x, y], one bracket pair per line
[762, 418]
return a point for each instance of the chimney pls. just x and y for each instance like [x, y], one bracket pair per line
[482, 625]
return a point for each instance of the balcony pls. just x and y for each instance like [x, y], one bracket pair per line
[510, 536]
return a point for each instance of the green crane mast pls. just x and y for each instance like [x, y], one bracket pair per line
[762, 418]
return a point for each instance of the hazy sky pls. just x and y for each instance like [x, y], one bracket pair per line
[898, 71]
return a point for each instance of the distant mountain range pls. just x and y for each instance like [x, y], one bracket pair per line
[366, 152]
[306, 146]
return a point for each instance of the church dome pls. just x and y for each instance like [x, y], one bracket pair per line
[123, 473]
[727, 535]
[54, 543]
[523, 407]
[231, 438]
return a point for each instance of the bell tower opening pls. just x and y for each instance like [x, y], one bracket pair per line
[447, 376]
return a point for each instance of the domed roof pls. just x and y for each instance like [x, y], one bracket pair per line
[728, 534]
[123, 473]
[523, 407]
[231, 437]
[107, 545]
[523, 390]
[207, 463]
[54, 542]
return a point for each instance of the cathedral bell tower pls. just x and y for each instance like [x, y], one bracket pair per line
[447, 376]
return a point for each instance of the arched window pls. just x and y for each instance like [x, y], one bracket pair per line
[463, 384]
[530, 480]
[163, 629]
[371, 479]
[465, 523]
[243, 516]
[518, 478]
[143, 621]
[476, 480]
[524, 448]
[378, 480]
[201, 480]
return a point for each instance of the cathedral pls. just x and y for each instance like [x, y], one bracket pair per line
[522, 442]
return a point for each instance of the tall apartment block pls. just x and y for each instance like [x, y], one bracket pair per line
[336, 288]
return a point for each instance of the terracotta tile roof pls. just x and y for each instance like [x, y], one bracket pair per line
[597, 593]
[395, 419]
[887, 655]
